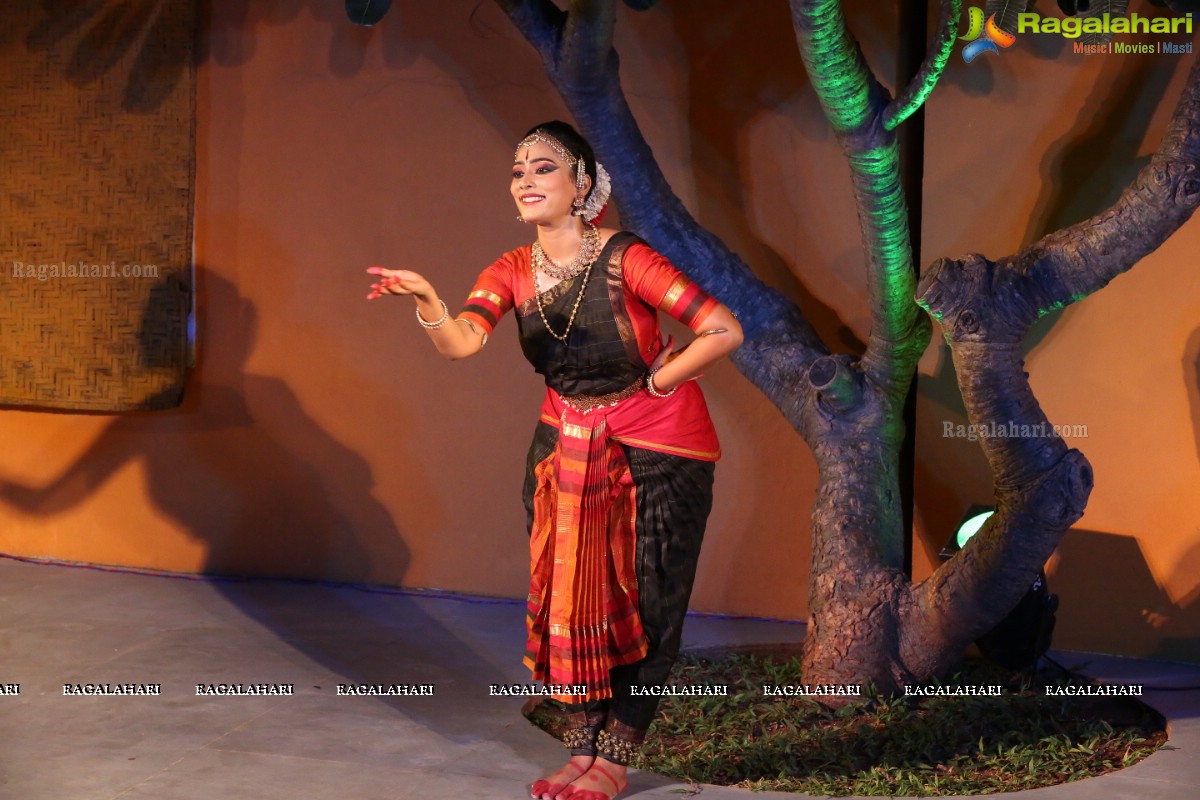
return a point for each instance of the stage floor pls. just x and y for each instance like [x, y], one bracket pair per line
[65, 631]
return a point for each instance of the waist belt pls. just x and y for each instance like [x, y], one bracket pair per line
[586, 403]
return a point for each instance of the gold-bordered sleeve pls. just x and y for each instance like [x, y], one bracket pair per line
[659, 284]
[492, 294]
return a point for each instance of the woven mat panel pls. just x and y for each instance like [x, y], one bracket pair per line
[97, 163]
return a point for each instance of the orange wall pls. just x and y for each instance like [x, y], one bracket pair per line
[321, 436]
[1019, 144]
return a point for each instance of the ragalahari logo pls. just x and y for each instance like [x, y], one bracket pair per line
[983, 37]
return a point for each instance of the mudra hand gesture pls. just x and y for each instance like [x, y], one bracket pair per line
[398, 281]
[452, 341]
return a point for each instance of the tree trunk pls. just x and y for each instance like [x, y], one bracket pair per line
[857, 581]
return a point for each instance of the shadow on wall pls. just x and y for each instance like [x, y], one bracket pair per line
[1191, 380]
[97, 35]
[239, 465]
[728, 88]
[733, 87]
[1138, 620]
[1110, 600]
[109, 30]
[1088, 170]
[243, 468]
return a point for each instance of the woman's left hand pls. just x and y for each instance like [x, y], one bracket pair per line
[665, 354]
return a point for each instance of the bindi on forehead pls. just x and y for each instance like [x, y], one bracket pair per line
[533, 160]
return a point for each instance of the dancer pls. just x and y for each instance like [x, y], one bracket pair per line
[618, 482]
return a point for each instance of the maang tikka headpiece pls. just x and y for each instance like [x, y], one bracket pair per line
[591, 208]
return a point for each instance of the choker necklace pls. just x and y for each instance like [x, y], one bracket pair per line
[589, 248]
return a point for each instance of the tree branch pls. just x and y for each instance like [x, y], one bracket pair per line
[940, 48]
[853, 101]
[540, 22]
[1041, 486]
[1068, 265]
[839, 73]
[587, 38]
[1065, 266]
[972, 592]
[834, 384]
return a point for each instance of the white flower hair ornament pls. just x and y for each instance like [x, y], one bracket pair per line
[594, 206]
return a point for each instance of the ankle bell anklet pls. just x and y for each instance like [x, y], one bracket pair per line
[583, 739]
[615, 749]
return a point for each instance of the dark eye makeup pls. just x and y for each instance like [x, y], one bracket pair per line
[541, 169]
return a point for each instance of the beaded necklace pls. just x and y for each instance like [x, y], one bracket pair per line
[579, 265]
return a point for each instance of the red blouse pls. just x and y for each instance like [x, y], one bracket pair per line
[678, 424]
[649, 279]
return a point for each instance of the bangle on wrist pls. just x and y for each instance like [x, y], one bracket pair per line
[440, 321]
[655, 392]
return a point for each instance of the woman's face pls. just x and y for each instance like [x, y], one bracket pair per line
[542, 184]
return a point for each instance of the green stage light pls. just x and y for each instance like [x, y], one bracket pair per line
[1022, 637]
[970, 528]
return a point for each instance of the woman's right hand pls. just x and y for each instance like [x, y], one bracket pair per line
[398, 281]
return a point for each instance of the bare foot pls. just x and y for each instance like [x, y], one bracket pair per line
[604, 780]
[549, 787]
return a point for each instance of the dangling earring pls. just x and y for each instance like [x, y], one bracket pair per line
[580, 174]
[580, 183]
